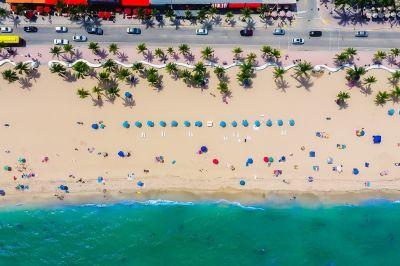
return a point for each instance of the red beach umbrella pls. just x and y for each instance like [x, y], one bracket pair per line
[266, 159]
[47, 9]
[215, 161]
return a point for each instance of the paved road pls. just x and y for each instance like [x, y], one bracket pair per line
[331, 40]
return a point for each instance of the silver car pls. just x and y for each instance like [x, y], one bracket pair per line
[278, 32]
[201, 31]
[297, 41]
[6, 30]
[61, 29]
[362, 33]
[79, 38]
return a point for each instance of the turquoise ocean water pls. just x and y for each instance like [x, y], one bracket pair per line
[161, 233]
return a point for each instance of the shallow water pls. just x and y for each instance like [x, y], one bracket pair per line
[160, 233]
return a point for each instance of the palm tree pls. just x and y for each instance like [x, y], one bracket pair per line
[237, 51]
[59, 69]
[123, 74]
[199, 67]
[94, 47]
[112, 92]
[184, 49]
[246, 13]
[355, 74]
[350, 52]
[82, 93]
[152, 77]
[219, 71]
[342, 58]
[279, 72]
[276, 54]
[207, 53]
[212, 12]
[303, 68]
[379, 56]
[395, 77]
[56, 51]
[170, 51]
[81, 69]
[113, 48]
[141, 48]
[22, 67]
[104, 76]
[370, 80]
[229, 16]
[138, 66]
[251, 57]
[185, 75]
[395, 93]
[110, 65]
[381, 97]
[223, 87]
[98, 91]
[9, 75]
[342, 97]
[68, 49]
[266, 51]
[159, 53]
[395, 52]
[171, 68]
[169, 14]
[188, 14]
[201, 14]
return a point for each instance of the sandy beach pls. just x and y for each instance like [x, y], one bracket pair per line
[43, 123]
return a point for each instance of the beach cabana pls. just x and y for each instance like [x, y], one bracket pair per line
[280, 122]
[391, 112]
[186, 123]
[234, 124]
[291, 122]
[257, 123]
[150, 123]
[269, 123]
[174, 123]
[198, 124]
[222, 124]
[138, 124]
[245, 123]
[242, 182]
[121, 154]
[163, 123]
[128, 95]
[95, 126]
[126, 124]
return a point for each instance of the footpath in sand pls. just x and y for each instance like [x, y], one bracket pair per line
[43, 123]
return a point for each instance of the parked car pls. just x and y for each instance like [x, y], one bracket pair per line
[362, 33]
[60, 41]
[133, 31]
[30, 29]
[6, 30]
[278, 32]
[61, 29]
[201, 32]
[94, 30]
[297, 41]
[79, 38]
[315, 33]
[246, 32]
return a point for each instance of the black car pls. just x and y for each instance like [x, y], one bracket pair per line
[315, 33]
[30, 29]
[246, 32]
[94, 30]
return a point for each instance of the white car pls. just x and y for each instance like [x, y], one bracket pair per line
[297, 41]
[79, 38]
[201, 31]
[6, 30]
[61, 29]
[61, 41]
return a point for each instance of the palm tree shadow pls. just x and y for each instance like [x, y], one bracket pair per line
[98, 102]
[133, 81]
[78, 54]
[342, 104]
[391, 60]
[189, 58]
[161, 23]
[304, 82]
[282, 85]
[33, 74]
[148, 56]
[69, 77]
[25, 83]
[129, 102]
[366, 90]
[102, 53]
[123, 57]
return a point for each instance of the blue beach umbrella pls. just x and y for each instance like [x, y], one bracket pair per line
[198, 124]
[121, 154]
[138, 124]
[128, 95]
[291, 122]
[222, 124]
[355, 171]
[250, 161]
[234, 123]
[204, 149]
[242, 182]
[95, 126]
[126, 124]
[257, 123]
[140, 184]
[100, 179]
[174, 123]
[163, 123]
[269, 123]
[280, 122]
[186, 123]
[245, 123]
[150, 123]
[391, 112]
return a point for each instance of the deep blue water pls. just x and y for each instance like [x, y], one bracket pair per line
[201, 234]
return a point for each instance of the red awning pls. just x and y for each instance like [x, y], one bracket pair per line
[128, 11]
[135, 2]
[76, 2]
[39, 9]
[236, 5]
[50, 2]
[253, 5]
